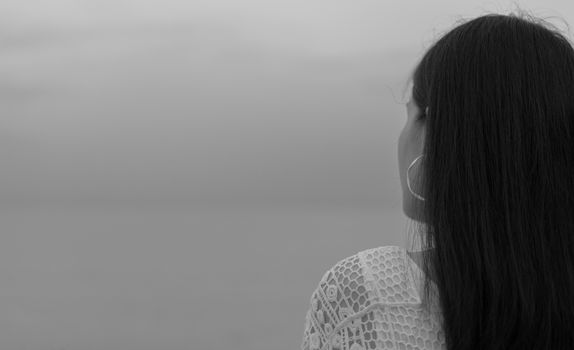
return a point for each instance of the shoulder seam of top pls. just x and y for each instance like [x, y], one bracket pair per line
[370, 284]
[368, 275]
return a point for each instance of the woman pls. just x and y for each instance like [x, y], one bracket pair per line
[486, 162]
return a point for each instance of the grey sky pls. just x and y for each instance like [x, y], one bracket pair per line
[213, 100]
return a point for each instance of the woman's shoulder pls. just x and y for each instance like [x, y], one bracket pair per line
[381, 272]
[370, 287]
[390, 251]
[362, 262]
[386, 253]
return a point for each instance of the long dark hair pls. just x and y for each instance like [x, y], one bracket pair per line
[499, 182]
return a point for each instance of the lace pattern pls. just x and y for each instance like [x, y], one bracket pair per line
[368, 301]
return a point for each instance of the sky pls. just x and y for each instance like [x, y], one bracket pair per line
[213, 101]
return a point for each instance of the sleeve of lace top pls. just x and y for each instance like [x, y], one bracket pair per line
[337, 317]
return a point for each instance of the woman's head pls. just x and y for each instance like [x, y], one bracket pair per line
[497, 176]
[480, 88]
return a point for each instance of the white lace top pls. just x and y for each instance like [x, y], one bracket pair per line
[372, 300]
